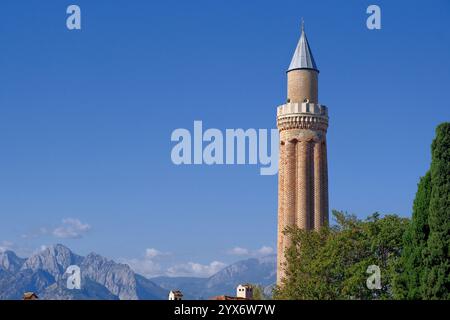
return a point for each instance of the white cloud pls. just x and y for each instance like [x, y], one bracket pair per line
[71, 229]
[35, 233]
[149, 265]
[146, 267]
[238, 251]
[265, 251]
[192, 269]
[152, 253]
[155, 263]
[6, 245]
[19, 249]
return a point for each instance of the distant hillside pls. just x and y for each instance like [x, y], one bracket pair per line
[44, 273]
[260, 271]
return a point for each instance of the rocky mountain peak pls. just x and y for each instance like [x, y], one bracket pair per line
[54, 260]
[9, 261]
[45, 273]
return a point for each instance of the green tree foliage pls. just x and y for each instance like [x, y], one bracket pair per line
[425, 264]
[436, 279]
[332, 263]
[414, 257]
[258, 292]
[407, 284]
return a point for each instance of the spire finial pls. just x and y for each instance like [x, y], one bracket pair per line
[303, 58]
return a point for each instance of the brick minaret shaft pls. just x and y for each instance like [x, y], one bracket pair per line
[303, 174]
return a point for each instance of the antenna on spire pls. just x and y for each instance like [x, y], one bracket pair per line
[303, 25]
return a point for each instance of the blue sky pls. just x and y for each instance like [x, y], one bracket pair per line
[86, 118]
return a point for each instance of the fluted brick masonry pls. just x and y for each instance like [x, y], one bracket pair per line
[303, 188]
[303, 168]
[303, 177]
[318, 186]
[281, 219]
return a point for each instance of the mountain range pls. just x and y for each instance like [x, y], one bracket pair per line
[260, 271]
[45, 274]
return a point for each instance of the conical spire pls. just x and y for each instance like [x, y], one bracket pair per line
[303, 58]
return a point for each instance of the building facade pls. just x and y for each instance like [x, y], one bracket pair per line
[303, 173]
[244, 291]
[175, 295]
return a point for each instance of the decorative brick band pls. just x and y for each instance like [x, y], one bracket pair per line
[302, 122]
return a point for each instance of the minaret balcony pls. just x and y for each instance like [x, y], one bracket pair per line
[304, 115]
[304, 107]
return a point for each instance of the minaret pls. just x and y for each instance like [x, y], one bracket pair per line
[303, 174]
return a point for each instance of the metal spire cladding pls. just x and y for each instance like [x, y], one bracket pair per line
[303, 58]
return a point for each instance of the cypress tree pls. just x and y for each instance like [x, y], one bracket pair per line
[408, 283]
[436, 274]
